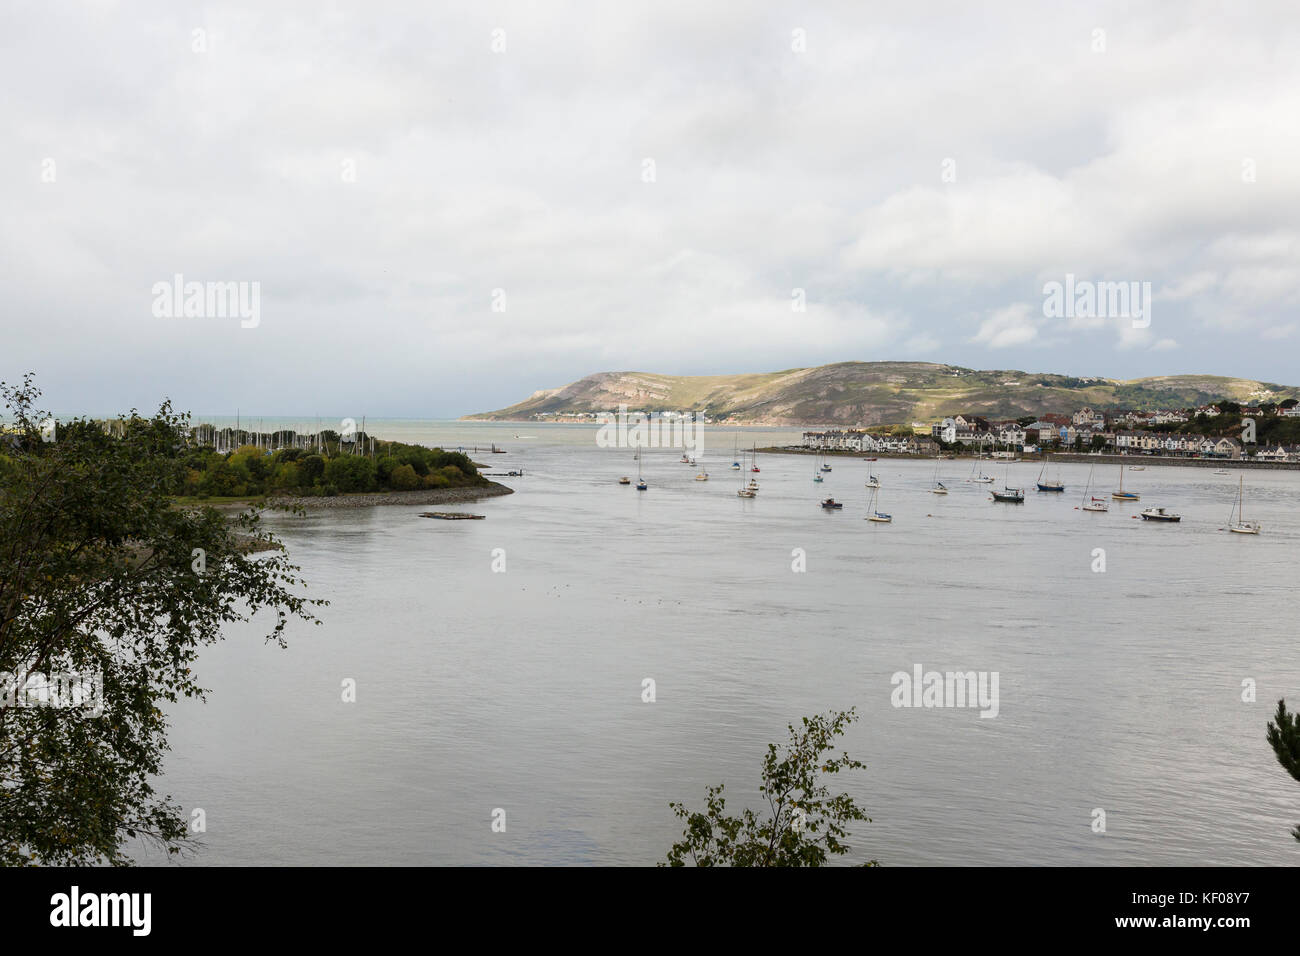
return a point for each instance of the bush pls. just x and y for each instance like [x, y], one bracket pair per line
[404, 478]
[350, 473]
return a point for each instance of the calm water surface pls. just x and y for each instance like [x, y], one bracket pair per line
[521, 690]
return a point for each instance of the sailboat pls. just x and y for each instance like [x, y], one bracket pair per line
[754, 466]
[735, 456]
[1241, 525]
[1094, 503]
[872, 514]
[939, 487]
[1123, 495]
[873, 481]
[746, 492]
[640, 481]
[826, 466]
[817, 477]
[1056, 485]
[1009, 494]
[625, 480]
[980, 478]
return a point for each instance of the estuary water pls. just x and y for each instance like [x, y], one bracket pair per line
[1120, 691]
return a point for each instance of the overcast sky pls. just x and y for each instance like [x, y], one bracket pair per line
[920, 171]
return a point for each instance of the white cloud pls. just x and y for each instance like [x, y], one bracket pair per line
[1010, 326]
[522, 170]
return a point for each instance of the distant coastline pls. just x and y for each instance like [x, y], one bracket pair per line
[1140, 460]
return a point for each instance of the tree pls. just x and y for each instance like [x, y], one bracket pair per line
[805, 824]
[104, 581]
[1284, 738]
[404, 478]
[350, 473]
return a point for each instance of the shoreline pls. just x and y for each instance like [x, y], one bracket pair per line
[423, 496]
[1069, 457]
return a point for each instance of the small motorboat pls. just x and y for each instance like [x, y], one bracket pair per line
[625, 480]
[1010, 495]
[1160, 514]
[684, 460]
[735, 466]
[641, 486]
[826, 468]
[1137, 467]
[869, 459]
[830, 504]
[817, 477]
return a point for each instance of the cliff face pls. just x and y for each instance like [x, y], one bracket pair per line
[871, 393]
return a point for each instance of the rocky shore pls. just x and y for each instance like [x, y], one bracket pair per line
[428, 496]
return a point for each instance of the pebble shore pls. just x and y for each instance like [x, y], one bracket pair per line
[427, 496]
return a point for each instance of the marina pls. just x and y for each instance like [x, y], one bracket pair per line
[876, 596]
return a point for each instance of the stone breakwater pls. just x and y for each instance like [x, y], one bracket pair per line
[427, 496]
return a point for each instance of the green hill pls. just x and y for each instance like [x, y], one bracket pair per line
[873, 393]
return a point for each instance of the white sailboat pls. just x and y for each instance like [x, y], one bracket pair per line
[1241, 525]
[640, 481]
[1094, 503]
[939, 487]
[872, 513]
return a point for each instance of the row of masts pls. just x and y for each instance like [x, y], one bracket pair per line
[229, 438]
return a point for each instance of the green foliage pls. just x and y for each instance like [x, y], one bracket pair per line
[404, 478]
[1284, 738]
[805, 824]
[251, 471]
[312, 469]
[350, 473]
[101, 576]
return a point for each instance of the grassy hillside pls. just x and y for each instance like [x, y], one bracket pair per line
[870, 393]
